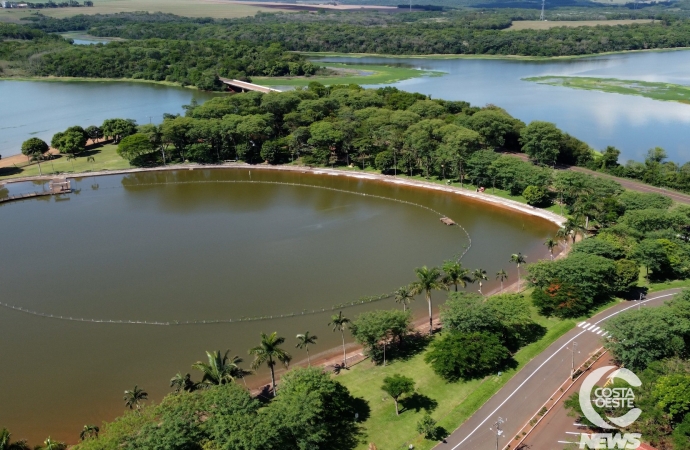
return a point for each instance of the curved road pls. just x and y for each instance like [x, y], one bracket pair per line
[530, 388]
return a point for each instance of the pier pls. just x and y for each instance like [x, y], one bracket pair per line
[57, 186]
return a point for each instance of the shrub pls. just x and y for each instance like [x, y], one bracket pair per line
[561, 300]
[535, 195]
[466, 355]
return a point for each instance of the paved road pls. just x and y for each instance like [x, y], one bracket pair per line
[625, 182]
[637, 186]
[557, 429]
[528, 390]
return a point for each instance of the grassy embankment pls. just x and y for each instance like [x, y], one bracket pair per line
[654, 90]
[350, 73]
[449, 403]
[105, 158]
[188, 8]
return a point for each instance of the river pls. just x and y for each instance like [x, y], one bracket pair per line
[631, 123]
[197, 245]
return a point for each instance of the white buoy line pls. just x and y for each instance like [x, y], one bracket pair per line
[458, 256]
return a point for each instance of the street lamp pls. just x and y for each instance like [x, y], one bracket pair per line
[499, 432]
[572, 361]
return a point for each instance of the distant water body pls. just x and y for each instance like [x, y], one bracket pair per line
[631, 123]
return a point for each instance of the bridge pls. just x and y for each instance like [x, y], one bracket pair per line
[243, 86]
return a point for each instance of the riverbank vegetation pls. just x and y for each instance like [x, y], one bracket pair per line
[418, 33]
[649, 89]
[26, 51]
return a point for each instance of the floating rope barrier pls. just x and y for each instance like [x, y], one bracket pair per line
[363, 300]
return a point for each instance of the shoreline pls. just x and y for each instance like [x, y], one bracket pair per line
[484, 56]
[101, 80]
[477, 196]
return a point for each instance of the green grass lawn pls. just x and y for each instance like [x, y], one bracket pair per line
[653, 90]
[356, 73]
[454, 402]
[105, 158]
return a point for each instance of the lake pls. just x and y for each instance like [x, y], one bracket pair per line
[632, 124]
[206, 245]
[43, 108]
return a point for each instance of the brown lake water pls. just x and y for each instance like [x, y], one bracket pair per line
[207, 245]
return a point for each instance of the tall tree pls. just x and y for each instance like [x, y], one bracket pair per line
[518, 258]
[404, 296]
[304, 341]
[428, 280]
[219, 369]
[551, 244]
[135, 397]
[478, 276]
[339, 323]
[455, 274]
[501, 275]
[269, 352]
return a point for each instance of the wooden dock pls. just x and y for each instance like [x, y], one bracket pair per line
[447, 221]
[57, 186]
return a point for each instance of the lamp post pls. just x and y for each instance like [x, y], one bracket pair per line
[499, 432]
[572, 360]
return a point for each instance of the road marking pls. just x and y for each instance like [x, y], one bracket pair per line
[481, 424]
[600, 331]
[572, 432]
[590, 327]
[595, 329]
[583, 325]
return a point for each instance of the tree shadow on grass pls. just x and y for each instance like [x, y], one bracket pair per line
[361, 408]
[412, 345]
[7, 171]
[418, 402]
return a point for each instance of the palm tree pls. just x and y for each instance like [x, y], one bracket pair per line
[339, 323]
[551, 244]
[7, 444]
[182, 383]
[304, 341]
[89, 432]
[219, 370]
[501, 275]
[518, 258]
[455, 274]
[71, 157]
[38, 157]
[404, 295]
[564, 234]
[269, 352]
[427, 281]
[134, 398]
[50, 444]
[477, 276]
[92, 160]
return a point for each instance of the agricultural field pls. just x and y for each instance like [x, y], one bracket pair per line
[189, 8]
[654, 90]
[545, 25]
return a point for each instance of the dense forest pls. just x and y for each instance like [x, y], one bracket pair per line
[414, 33]
[428, 32]
[198, 63]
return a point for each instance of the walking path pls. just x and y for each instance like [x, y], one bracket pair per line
[526, 393]
[479, 196]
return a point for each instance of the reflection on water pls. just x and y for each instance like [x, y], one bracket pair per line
[189, 248]
[633, 124]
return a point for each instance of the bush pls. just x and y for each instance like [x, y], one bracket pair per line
[535, 195]
[638, 200]
[370, 328]
[561, 300]
[427, 427]
[466, 356]
[596, 246]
